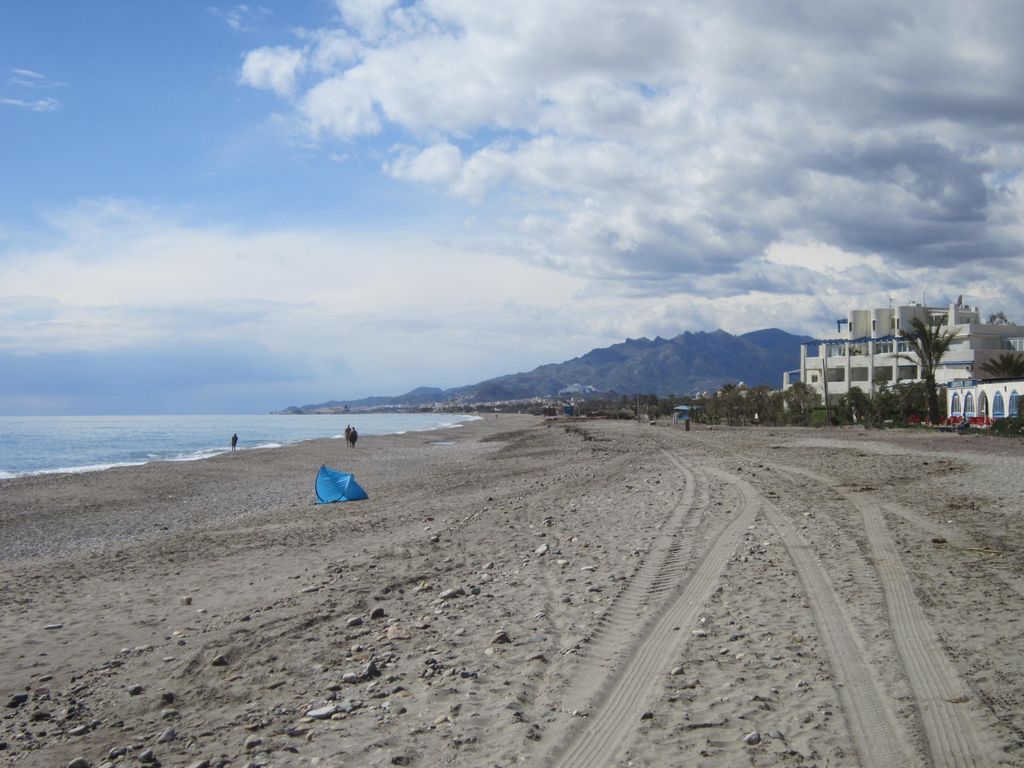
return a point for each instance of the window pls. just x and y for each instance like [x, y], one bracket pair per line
[983, 405]
[954, 405]
[883, 347]
[969, 404]
[1014, 404]
[997, 406]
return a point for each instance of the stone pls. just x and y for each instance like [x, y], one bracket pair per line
[541, 550]
[647, 716]
[135, 690]
[395, 632]
[377, 613]
[186, 599]
[79, 730]
[752, 738]
[453, 592]
[252, 742]
[147, 756]
[167, 736]
[322, 713]
[501, 637]
[354, 621]
[350, 677]
[79, 762]
[199, 764]
[370, 671]
[17, 700]
[675, 671]
[220, 660]
[52, 627]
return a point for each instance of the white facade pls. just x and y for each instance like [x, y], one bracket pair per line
[870, 354]
[979, 402]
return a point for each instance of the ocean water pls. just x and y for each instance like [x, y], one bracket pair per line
[42, 444]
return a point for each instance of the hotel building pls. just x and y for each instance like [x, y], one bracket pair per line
[869, 353]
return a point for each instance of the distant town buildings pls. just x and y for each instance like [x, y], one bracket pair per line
[869, 353]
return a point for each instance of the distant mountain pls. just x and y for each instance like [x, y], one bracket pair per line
[686, 364]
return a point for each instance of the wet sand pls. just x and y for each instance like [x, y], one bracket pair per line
[524, 592]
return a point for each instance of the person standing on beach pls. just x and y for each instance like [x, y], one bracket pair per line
[234, 441]
[352, 437]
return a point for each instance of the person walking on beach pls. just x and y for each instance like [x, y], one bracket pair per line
[234, 441]
[352, 436]
[348, 432]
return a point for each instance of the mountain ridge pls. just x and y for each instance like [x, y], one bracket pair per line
[688, 363]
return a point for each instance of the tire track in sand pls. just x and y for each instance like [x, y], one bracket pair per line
[952, 730]
[880, 740]
[613, 723]
[619, 627]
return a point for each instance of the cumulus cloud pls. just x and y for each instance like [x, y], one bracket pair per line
[650, 144]
[273, 69]
[366, 17]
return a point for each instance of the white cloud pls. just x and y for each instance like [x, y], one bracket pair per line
[366, 17]
[340, 106]
[641, 142]
[36, 105]
[273, 69]
[242, 17]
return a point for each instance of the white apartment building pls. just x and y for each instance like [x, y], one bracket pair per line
[867, 354]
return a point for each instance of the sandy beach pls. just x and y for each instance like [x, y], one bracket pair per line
[524, 592]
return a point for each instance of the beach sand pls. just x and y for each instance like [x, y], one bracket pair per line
[524, 592]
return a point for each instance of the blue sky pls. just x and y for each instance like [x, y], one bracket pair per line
[235, 208]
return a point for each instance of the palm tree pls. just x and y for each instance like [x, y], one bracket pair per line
[1007, 366]
[929, 344]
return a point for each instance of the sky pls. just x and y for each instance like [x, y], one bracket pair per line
[237, 208]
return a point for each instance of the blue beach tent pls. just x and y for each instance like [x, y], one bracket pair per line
[332, 485]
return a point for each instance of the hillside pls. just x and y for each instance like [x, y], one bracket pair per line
[685, 364]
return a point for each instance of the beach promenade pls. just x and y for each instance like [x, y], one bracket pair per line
[524, 592]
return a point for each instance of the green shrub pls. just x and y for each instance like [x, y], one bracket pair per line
[1013, 427]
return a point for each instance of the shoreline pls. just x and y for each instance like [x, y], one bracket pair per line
[201, 454]
[482, 604]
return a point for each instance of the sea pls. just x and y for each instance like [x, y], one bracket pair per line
[32, 445]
